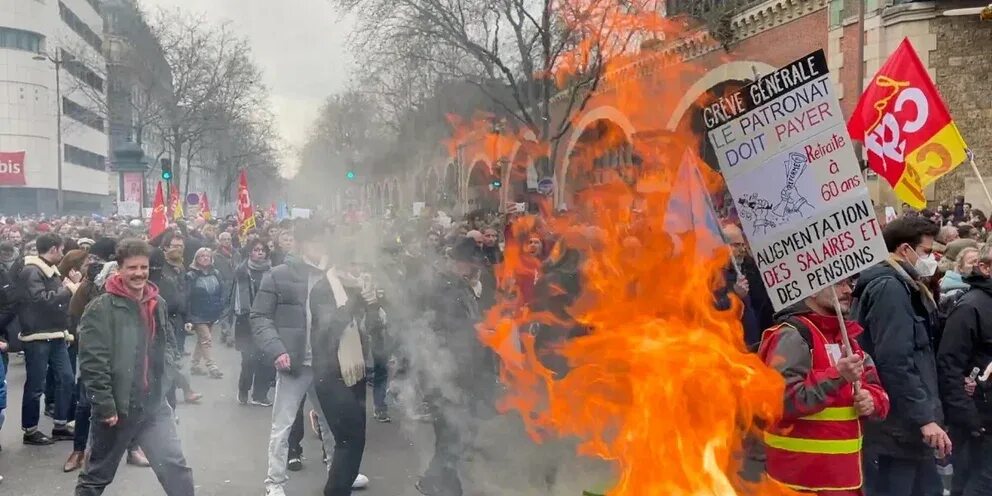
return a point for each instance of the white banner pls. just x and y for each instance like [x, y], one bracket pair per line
[790, 165]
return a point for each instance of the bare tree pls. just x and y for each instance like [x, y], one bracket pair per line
[539, 61]
[214, 80]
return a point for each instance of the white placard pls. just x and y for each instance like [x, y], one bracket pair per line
[129, 208]
[790, 165]
[418, 207]
[299, 213]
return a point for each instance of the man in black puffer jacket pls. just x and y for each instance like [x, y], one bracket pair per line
[967, 344]
[44, 316]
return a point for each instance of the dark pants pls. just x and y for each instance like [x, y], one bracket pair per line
[345, 410]
[296, 434]
[450, 447]
[972, 464]
[906, 477]
[39, 356]
[155, 432]
[83, 414]
[50, 382]
[380, 382]
[256, 374]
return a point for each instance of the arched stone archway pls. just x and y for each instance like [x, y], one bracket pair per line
[450, 191]
[605, 113]
[478, 191]
[603, 153]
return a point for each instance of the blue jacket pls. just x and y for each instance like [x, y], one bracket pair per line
[206, 296]
[3, 387]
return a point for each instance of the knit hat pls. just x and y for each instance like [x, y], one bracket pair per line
[104, 248]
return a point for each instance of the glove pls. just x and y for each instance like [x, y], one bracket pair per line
[350, 356]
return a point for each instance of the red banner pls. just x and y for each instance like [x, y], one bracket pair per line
[175, 210]
[205, 207]
[907, 130]
[157, 223]
[12, 169]
[246, 214]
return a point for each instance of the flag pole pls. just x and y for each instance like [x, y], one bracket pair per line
[843, 330]
[974, 167]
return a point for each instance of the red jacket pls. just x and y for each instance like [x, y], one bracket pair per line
[816, 446]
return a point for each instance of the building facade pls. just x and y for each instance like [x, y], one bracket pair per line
[34, 35]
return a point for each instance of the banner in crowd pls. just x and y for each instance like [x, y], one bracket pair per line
[689, 210]
[175, 205]
[907, 130]
[12, 169]
[205, 207]
[246, 215]
[158, 221]
[790, 166]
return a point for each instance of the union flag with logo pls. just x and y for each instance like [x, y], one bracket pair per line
[908, 133]
[246, 214]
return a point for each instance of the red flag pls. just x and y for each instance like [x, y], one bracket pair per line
[272, 211]
[205, 207]
[246, 215]
[158, 221]
[907, 130]
[175, 210]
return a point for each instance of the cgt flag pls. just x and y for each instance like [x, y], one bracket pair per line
[246, 215]
[175, 205]
[158, 221]
[907, 130]
[205, 207]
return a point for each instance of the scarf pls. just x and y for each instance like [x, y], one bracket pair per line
[263, 266]
[146, 309]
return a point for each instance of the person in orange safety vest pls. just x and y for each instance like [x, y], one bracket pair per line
[816, 446]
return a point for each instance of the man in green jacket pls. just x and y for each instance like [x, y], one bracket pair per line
[126, 353]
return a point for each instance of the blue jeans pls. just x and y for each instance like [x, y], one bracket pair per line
[38, 357]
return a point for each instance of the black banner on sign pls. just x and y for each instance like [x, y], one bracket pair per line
[766, 89]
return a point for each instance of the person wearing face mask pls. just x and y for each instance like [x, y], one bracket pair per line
[899, 316]
[966, 345]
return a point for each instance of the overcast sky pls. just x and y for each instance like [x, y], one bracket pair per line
[300, 46]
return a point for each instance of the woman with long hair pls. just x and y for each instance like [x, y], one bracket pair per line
[206, 302]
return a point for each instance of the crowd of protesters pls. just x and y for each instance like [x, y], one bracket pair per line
[314, 317]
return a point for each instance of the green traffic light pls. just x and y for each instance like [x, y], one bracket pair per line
[166, 175]
[351, 174]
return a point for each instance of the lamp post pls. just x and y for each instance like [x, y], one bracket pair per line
[57, 61]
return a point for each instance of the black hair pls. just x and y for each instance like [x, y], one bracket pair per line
[46, 242]
[909, 230]
[250, 246]
[965, 230]
[167, 239]
[132, 247]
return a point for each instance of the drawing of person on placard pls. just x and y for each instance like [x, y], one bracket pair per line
[756, 210]
[792, 201]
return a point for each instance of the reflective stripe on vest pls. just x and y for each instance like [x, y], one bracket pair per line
[834, 414]
[818, 446]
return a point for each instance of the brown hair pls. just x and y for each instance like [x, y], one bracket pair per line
[73, 260]
[132, 247]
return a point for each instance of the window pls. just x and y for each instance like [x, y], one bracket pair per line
[82, 114]
[80, 71]
[80, 27]
[18, 39]
[84, 158]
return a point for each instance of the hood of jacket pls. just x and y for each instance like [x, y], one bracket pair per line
[980, 282]
[109, 269]
[952, 280]
[115, 286]
[46, 268]
[888, 268]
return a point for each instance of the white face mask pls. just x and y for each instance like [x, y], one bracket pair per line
[925, 266]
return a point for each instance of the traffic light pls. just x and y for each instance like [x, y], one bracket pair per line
[496, 184]
[166, 169]
[350, 175]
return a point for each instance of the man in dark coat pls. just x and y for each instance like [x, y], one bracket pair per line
[125, 352]
[967, 345]
[454, 405]
[300, 318]
[898, 314]
[43, 312]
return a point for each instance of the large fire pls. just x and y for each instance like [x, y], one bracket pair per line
[658, 380]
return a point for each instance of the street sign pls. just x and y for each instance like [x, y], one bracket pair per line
[546, 186]
[192, 199]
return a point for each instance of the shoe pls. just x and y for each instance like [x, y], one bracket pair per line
[295, 464]
[137, 458]
[36, 438]
[242, 398]
[75, 461]
[197, 370]
[264, 403]
[361, 482]
[275, 491]
[64, 433]
[215, 373]
[193, 398]
[425, 488]
[382, 416]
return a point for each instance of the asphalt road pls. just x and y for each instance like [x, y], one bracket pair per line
[225, 444]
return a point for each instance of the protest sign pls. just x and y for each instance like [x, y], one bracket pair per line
[789, 164]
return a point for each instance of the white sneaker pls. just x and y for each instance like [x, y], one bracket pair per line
[361, 482]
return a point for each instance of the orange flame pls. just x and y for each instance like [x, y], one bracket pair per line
[658, 380]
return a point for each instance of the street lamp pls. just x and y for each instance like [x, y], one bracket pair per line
[57, 61]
